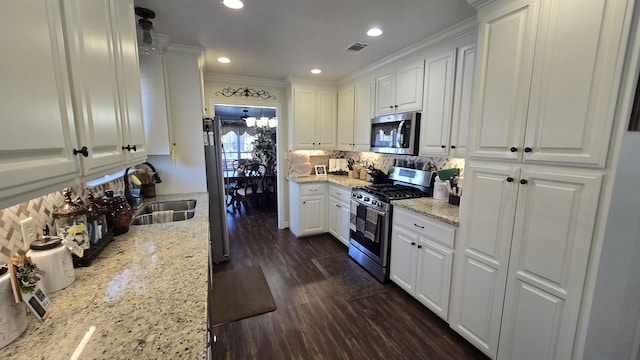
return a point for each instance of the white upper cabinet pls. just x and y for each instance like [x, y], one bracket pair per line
[346, 116]
[354, 117]
[85, 107]
[37, 139]
[95, 83]
[155, 100]
[314, 117]
[462, 97]
[128, 70]
[435, 122]
[400, 90]
[547, 81]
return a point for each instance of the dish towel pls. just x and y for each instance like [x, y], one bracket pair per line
[361, 218]
[353, 215]
[162, 216]
[371, 226]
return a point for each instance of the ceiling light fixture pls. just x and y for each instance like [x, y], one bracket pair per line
[316, 71]
[233, 4]
[249, 120]
[224, 60]
[147, 35]
[373, 32]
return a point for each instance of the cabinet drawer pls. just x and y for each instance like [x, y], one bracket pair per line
[313, 189]
[341, 193]
[424, 226]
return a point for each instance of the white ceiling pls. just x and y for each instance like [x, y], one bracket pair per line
[276, 39]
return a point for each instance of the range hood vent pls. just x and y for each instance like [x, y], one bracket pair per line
[356, 47]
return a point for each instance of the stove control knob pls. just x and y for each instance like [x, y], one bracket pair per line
[366, 199]
[374, 203]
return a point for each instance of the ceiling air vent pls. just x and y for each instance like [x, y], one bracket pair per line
[356, 47]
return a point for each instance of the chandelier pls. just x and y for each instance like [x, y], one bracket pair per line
[261, 122]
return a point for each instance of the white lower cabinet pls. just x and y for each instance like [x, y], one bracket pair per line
[339, 212]
[307, 208]
[422, 258]
[522, 256]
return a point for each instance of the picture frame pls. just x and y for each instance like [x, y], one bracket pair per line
[321, 170]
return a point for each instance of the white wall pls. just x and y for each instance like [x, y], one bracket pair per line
[615, 312]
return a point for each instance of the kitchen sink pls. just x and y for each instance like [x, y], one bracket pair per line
[165, 211]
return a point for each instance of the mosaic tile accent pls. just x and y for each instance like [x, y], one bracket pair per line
[40, 209]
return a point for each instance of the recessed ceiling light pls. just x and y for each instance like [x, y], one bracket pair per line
[316, 71]
[233, 4]
[224, 60]
[374, 32]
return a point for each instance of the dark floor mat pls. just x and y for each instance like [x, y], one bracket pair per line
[239, 294]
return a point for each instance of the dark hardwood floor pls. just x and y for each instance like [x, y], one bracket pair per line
[328, 307]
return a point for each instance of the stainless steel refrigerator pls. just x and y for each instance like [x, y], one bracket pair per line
[218, 234]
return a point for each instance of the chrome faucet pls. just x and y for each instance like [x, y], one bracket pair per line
[127, 192]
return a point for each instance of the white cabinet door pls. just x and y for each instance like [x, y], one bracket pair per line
[404, 259]
[304, 115]
[155, 104]
[385, 94]
[94, 81]
[36, 139]
[345, 133]
[552, 236]
[362, 117]
[313, 214]
[482, 253]
[327, 119]
[576, 73]
[128, 71]
[345, 219]
[334, 217]
[501, 88]
[434, 276]
[462, 97]
[438, 97]
[409, 84]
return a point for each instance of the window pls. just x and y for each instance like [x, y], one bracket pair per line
[236, 147]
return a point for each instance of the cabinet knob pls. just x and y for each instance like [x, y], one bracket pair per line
[84, 151]
[453, 146]
[419, 246]
[443, 146]
[514, 149]
[523, 181]
[304, 202]
[416, 225]
[390, 106]
[509, 179]
[413, 243]
[528, 149]
[396, 106]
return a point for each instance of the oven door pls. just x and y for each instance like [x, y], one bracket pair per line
[377, 250]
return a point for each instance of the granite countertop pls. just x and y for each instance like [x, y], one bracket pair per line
[146, 294]
[436, 209]
[342, 180]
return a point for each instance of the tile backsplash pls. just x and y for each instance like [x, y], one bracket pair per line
[40, 209]
[385, 161]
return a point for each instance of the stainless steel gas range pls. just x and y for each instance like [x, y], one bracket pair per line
[371, 211]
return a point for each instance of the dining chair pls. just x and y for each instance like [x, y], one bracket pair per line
[253, 186]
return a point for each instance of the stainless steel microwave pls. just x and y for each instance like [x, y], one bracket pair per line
[396, 134]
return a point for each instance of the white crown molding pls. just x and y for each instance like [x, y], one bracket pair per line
[479, 3]
[449, 34]
[177, 49]
[239, 79]
[311, 82]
